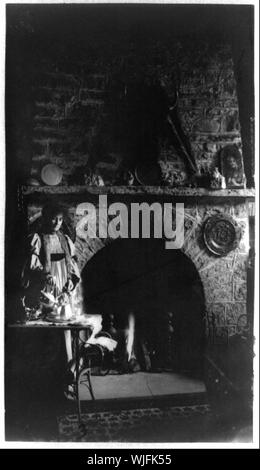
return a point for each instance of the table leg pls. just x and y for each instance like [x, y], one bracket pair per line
[89, 380]
[78, 373]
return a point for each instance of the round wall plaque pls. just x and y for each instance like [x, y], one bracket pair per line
[221, 234]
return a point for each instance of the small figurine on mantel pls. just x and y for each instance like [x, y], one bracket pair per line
[93, 178]
[128, 178]
[232, 167]
[217, 180]
[125, 177]
[170, 175]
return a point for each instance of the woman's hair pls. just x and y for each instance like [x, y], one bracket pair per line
[50, 210]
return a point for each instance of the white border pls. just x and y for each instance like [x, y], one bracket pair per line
[46, 445]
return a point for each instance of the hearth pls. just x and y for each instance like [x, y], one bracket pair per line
[152, 303]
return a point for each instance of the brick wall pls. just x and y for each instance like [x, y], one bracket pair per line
[78, 123]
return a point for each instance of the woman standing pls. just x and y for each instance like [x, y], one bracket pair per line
[51, 266]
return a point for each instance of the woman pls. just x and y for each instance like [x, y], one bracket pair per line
[51, 270]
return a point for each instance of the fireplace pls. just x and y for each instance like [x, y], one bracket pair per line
[119, 275]
[136, 110]
[161, 291]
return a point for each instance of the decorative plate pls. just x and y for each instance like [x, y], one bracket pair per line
[221, 234]
[51, 174]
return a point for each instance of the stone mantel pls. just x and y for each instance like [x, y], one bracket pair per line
[141, 191]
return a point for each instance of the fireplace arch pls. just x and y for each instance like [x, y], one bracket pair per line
[161, 287]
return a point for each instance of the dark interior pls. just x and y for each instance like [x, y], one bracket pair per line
[156, 283]
[161, 288]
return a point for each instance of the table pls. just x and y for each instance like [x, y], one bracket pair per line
[75, 326]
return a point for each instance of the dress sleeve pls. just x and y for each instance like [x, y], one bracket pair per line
[34, 255]
[74, 270]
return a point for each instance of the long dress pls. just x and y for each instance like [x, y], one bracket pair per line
[52, 254]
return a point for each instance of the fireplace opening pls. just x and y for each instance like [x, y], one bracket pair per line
[152, 303]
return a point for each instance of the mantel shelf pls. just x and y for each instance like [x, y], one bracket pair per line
[139, 190]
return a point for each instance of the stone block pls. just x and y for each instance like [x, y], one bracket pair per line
[199, 256]
[60, 147]
[240, 291]
[57, 79]
[43, 132]
[39, 160]
[240, 268]
[96, 81]
[86, 93]
[216, 314]
[211, 147]
[50, 109]
[217, 288]
[243, 246]
[206, 210]
[190, 118]
[240, 210]
[233, 311]
[83, 113]
[204, 166]
[198, 147]
[62, 96]
[46, 121]
[231, 330]
[219, 268]
[94, 102]
[203, 157]
[191, 239]
[188, 226]
[185, 102]
[190, 212]
[221, 335]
